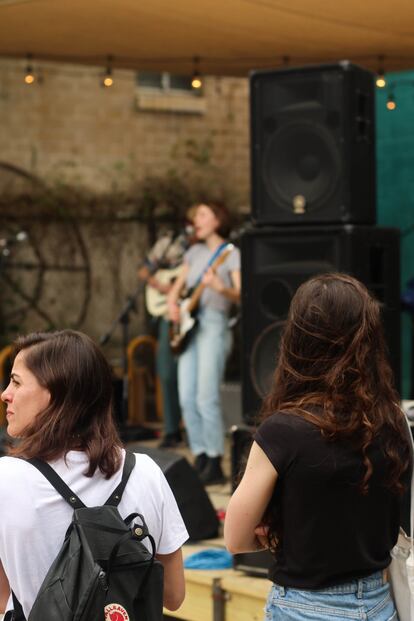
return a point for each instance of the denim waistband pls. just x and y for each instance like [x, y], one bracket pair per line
[359, 586]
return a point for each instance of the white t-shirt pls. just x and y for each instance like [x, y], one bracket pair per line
[34, 517]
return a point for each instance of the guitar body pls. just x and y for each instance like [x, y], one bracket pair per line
[182, 331]
[155, 301]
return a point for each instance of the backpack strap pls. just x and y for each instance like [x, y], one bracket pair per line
[17, 613]
[59, 484]
[115, 498]
[67, 494]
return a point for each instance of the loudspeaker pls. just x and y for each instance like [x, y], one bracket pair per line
[195, 506]
[313, 145]
[230, 393]
[275, 261]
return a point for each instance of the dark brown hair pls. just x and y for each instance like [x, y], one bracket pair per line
[333, 358]
[222, 214]
[79, 415]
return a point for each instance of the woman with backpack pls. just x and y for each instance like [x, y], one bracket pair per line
[330, 462]
[59, 406]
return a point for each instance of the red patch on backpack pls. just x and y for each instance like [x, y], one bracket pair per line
[115, 612]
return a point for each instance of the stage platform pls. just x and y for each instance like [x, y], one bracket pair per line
[220, 595]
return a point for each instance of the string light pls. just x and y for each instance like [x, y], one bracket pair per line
[29, 76]
[391, 104]
[107, 79]
[196, 81]
[380, 81]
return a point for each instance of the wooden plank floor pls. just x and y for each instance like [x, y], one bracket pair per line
[220, 594]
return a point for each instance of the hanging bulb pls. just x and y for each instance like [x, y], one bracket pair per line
[107, 79]
[29, 76]
[380, 81]
[391, 104]
[196, 81]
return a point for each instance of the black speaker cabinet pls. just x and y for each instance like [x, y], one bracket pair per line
[195, 506]
[275, 261]
[313, 145]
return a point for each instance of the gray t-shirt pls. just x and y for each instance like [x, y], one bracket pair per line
[197, 258]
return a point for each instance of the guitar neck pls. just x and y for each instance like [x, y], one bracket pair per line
[196, 295]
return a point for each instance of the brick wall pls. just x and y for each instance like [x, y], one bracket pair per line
[69, 127]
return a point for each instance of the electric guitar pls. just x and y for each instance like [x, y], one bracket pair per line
[155, 301]
[181, 331]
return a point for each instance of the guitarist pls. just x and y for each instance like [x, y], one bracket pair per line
[166, 253]
[201, 365]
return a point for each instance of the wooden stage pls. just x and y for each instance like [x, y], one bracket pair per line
[218, 595]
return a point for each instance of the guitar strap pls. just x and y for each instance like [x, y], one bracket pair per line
[211, 260]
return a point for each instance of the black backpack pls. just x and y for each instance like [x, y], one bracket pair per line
[103, 571]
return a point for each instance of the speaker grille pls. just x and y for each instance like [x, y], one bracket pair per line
[313, 145]
[263, 358]
[302, 166]
[275, 261]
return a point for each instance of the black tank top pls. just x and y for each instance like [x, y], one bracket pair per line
[330, 532]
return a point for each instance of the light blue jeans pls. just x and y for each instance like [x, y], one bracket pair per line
[200, 373]
[368, 598]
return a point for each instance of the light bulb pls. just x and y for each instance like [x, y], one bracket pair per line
[196, 81]
[391, 103]
[380, 81]
[29, 76]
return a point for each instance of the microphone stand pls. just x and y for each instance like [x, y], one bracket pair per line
[138, 432]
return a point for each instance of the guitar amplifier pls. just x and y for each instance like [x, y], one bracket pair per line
[253, 563]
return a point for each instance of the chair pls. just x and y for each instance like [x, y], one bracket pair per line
[144, 389]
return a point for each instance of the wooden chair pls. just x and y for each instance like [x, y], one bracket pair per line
[5, 365]
[144, 389]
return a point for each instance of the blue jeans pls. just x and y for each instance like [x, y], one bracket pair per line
[200, 372]
[368, 598]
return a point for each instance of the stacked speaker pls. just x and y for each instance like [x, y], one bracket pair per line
[313, 211]
[313, 207]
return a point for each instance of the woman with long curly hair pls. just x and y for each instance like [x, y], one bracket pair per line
[325, 479]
